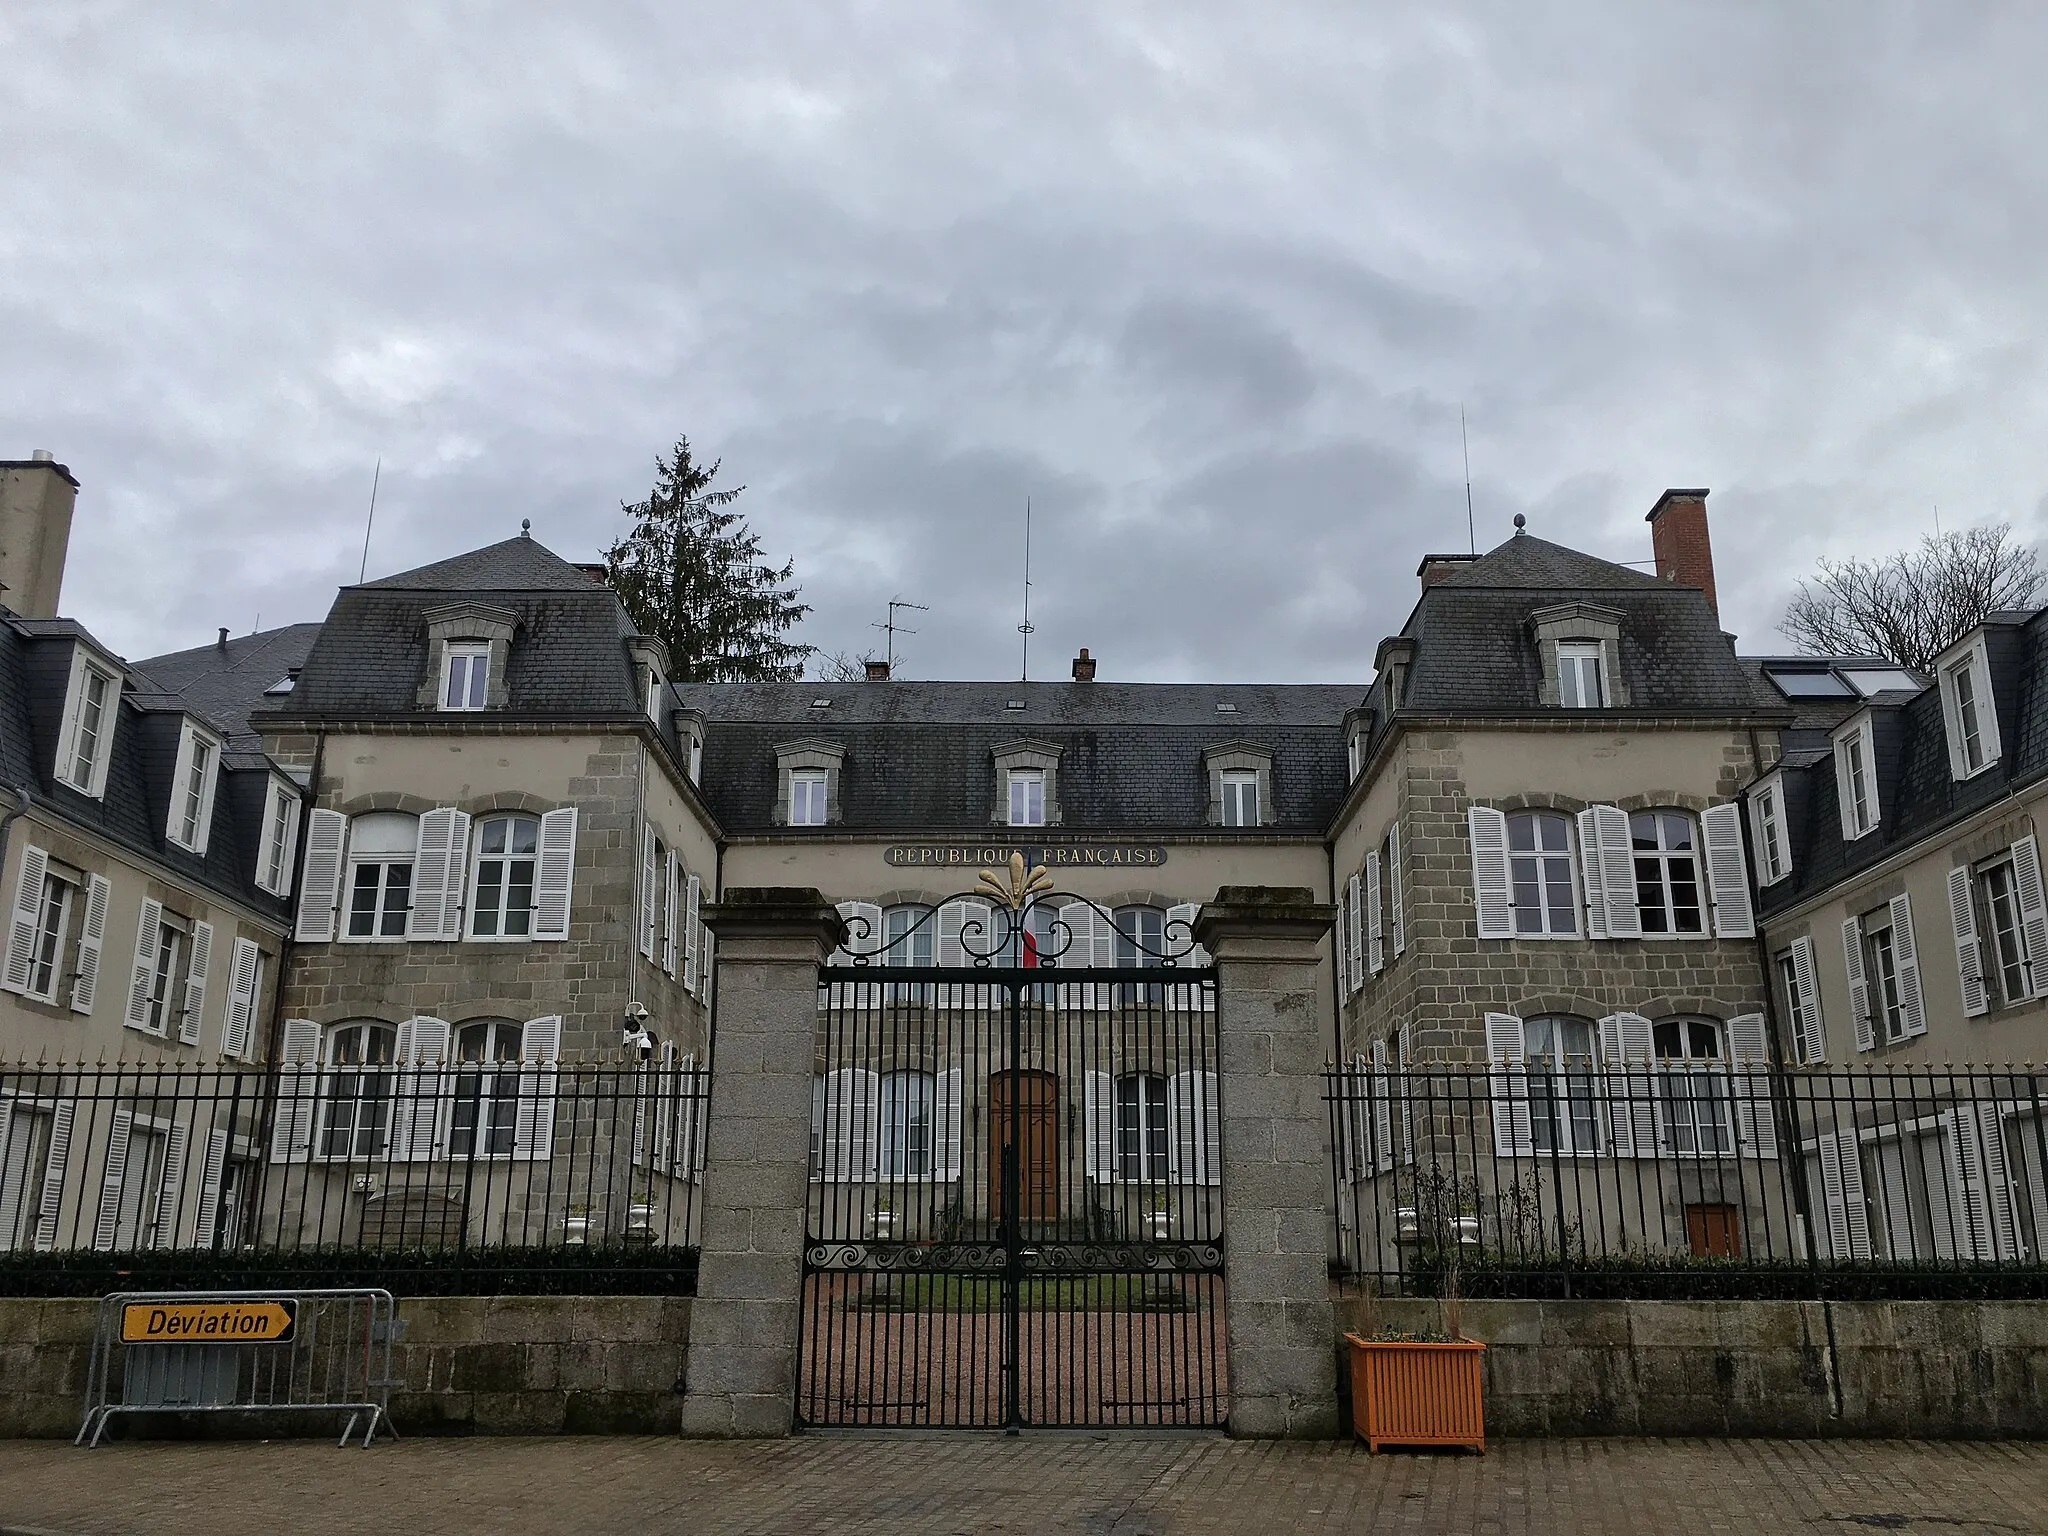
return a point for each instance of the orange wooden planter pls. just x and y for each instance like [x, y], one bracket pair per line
[1417, 1394]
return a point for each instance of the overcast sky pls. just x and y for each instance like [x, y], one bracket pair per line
[1206, 282]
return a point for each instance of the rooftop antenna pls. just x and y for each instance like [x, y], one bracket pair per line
[892, 629]
[1024, 629]
[370, 522]
[1465, 442]
[1937, 519]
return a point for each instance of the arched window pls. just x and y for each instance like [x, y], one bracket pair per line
[1141, 1128]
[486, 1089]
[501, 906]
[381, 847]
[1140, 940]
[1693, 1087]
[355, 1110]
[1563, 1083]
[1667, 872]
[906, 1150]
[910, 932]
[1540, 883]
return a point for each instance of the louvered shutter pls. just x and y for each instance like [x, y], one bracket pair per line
[1192, 1112]
[1099, 1111]
[1628, 1050]
[1962, 911]
[55, 1167]
[696, 1085]
[1513, 1135]
[320, 877]
[113, 1175]
[92, 937]
[170, 1196]
[1404, 1097]
[2026, 879]
[1338, 947]
[196, 967]
[663, 1155]
[1591, 875]
[650, 890]
[146, 936]
[1813, 1032]
[28, 912]
[1180, 928]
[948, 949]
[1618, 872]
[1356, 937]
[1382, 1111]
[237, 1024]
[707, 965]
[298, 1088]
[16, 1139]
[672, 914]
[946, 1128]
[1727, 872]
[1847, 1213]
[1906, 956]
[1396, 898]
[554, 876]
[1859, 987]
[692, 907]
[1749, 1061]
[212, 1177]
[1896, 1207]
[440, 870]
[533, 1124]
[2001, 1222]
[420, 1105]
[1101, 954]
[1375, 947]
[1489, 833]
[641, 1150]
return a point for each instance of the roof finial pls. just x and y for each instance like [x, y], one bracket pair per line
[1521, 525]
[526, 527]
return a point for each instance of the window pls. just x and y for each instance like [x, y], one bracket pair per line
[82, 758]
[24, 1165]
[1563, 1105]
[192, 789]
[1540, 875]
[355, 1109]
[486, 1089]
[381, 850]
[1027, 797]
[1581, 682]
[909, 935]
[1767, 824]
[1240, 799]
[1887, 995]
[1692, 1089]
[502, 907]
[1970, 722]
[1969, 726]
[1141, 1128]
[1809, 685]
[1874, 680]
[465, 676]
[1667, 873]
[280, 834]
[2008, 934]
[1140, 942]
[141, 1220]
[906, 1151]
[1854, 784]
[163, 973]
[53, 919]
[1799, 1005]
[807, 797]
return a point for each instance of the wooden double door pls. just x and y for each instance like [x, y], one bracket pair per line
[1024, 1111]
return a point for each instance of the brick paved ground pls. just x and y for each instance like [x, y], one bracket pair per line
[1128, 1486]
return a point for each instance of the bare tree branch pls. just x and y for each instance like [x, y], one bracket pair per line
[1911, 606]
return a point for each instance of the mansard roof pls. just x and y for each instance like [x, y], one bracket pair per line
[1527, 561]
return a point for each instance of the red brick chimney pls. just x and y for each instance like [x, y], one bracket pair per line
[1678, 537]
[1084, 667]
[1435, 568]
[878, 671]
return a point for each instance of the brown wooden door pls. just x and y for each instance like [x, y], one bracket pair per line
[1036, 1131]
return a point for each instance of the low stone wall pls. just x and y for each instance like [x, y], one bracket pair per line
[1921, 1369]
[488, 1365]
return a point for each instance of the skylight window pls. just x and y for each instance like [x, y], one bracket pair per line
[1226, 709]
[1881, 680]
[1811, 685]
[284, 684]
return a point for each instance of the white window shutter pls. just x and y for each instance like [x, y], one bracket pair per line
[695, 1084]
[1355, 937]
[171, 1195]
[1396, 900]
[1591, 875]
[1101, 939]
[1375, 947]
[212, 1176]
[650, 891]
[320, 877]
[1847, 1213]
[672, 913]
[1180, 928]
[1489, 833]
[1749, 1061]
[693, 906]
[1210, 1147]
[1859, 985]
[27, 918]
[1382, 1111]
[950, 953]
[240, 1017]
[1727, 872]
[196, 967]
[113, 1175]
[1513, 1135]
[1404, 1094]
[1906, 955]
[423, 1057]
[1338, 948]
[439, 870]
[1183, 1112]
[2026, 879]
[14, 1171]
[92, 938]
[1962, 911]
[1813, 1034]
[298, 1086]
[554, 876]
[146, 935]
[1618, 872]
[1099, 1111]
[946, 1128]
[1628, 1048]
[533, 1121]
[2001, 1222]
[55, 1166]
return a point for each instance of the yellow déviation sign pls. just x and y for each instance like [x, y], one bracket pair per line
[262, 1321]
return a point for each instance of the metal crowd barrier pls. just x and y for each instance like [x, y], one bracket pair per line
[243, 1352]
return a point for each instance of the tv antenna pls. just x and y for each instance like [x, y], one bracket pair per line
[892, 629]
[370, 522]
[1024, 629]
[1465, 442]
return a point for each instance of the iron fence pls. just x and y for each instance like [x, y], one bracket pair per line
[298, 1172]
[1689, 1179]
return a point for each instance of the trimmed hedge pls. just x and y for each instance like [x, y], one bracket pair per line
[613, 1270]
[1637, 1277]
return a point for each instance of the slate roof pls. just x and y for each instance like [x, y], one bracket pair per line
[519, 564]
[225, 683]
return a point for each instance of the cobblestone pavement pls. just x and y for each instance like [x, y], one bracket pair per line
[1128, 1486]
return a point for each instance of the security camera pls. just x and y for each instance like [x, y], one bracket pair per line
[637, 1035]
[636, 1011]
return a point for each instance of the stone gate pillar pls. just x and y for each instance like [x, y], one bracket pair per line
[741, 1376]
[1276, 1159]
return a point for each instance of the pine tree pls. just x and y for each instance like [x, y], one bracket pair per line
[691, 574]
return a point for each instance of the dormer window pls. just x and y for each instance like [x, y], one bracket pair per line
[85, 743]
[807, 775]
[1241, 798]
[1027, 797]
[466, 675]
[1581, 681]
[192, 788]
[1966, 707]
[1767, 830]
[1027, 784]
[1240, 775]
[280, 837]
[1579, 647]
[1856, 781]
[807, 797]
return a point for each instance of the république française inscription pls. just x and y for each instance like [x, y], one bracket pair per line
[1051, 855]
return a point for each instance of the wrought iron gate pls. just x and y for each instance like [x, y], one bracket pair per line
[1015, 1214]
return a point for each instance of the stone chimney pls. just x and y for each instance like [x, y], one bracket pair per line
[878, 671]
[36, 495]
[1084, 667]
[1435, 568]
[1678, 538]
